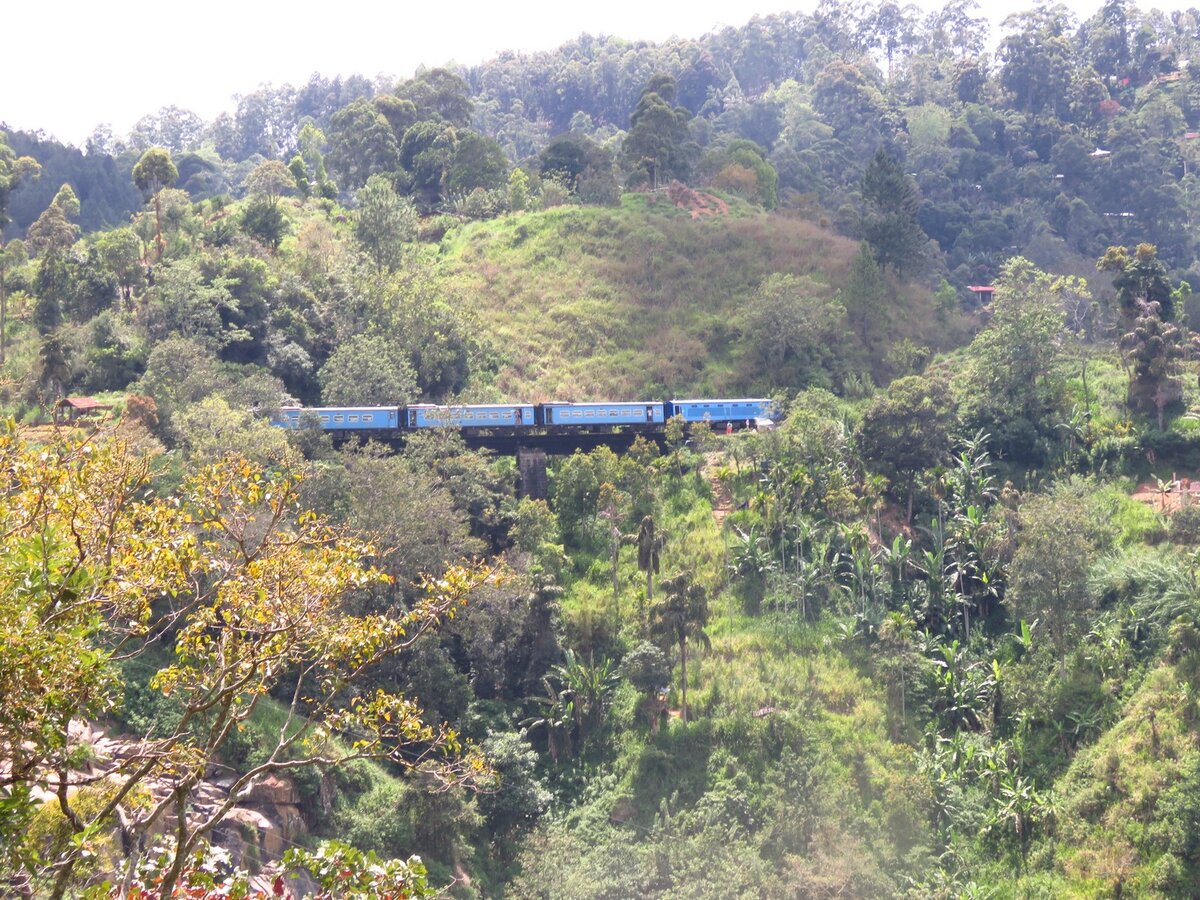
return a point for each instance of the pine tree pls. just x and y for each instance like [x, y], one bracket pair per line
[889, 222]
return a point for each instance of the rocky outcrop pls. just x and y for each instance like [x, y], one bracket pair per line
[265, 821]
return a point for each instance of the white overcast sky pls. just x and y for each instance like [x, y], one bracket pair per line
[70, 66]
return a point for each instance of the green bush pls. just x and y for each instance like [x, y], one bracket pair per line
[1185, 525]
[377, 819]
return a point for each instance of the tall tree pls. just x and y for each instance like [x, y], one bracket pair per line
[892, 28]
[1017, 385]
[439, 94]
[14, 171]
[1060, 534]
[889, 221]
[54, 231]
[907, 431]
[361, 144]
[1037, 60]
[954, 28]
[680, 616]
[154, 172]
[270, 180]
[658, 143]
[383, 222]
[865, 300]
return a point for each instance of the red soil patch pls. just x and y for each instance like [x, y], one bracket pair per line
[1180, 492]
[695, 202]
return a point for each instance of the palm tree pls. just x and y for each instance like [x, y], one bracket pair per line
[650, 542]
[896, 638]
[682, 613]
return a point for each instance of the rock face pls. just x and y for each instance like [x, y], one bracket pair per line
[256, 831]
[277, 800]
[274, 790]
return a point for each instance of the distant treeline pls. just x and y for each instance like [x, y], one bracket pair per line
[1072, 136]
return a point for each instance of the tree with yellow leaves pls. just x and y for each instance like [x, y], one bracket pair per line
[247, 590]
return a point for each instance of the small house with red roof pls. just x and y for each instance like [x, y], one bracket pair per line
[71, 409]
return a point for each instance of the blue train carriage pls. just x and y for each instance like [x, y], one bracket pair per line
[759, 413]
[477, 415]
[340, 418]
[648, 413]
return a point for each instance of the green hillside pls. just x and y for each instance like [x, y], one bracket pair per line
[644, 300]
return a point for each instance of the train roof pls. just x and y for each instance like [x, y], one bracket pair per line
[319, 409]
[727, 400]
[602, 403]
[467, 405]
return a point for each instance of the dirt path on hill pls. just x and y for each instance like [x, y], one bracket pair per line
[722, 499]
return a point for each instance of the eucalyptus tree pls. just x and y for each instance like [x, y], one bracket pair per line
[14, 171]
[154, 172]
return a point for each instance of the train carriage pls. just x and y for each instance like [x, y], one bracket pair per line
[479, 415]
[649, 412]
[340, 418]
[722, 411]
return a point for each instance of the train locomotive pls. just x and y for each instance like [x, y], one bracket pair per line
[511, 418]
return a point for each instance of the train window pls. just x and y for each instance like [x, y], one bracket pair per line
[352, 418]
[338, 417]
[494, 414]
[325, 419]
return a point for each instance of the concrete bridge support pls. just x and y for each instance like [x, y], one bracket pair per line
[532, 467]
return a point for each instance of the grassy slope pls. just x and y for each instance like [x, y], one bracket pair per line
[641, 300]
[1130, 816]
[787, 766]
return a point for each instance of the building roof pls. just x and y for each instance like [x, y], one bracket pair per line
[83, 403]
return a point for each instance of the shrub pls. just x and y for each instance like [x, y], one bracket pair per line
[1185, 525]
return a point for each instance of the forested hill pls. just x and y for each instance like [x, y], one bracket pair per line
[1073, 135]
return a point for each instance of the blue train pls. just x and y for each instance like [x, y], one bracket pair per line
[512, 417]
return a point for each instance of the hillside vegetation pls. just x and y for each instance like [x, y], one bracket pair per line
[645, 301]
